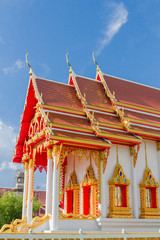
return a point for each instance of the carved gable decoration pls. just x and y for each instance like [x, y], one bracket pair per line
[118, 176]
[148, 179]
[37, 125]
[72, 180]
[89, 177]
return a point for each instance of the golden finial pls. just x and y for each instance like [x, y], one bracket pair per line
[84, 98]
[113, 95]
[97, 126]
[94, 60]
[28, 65]
[70, 70]
[146, 155]
[117, 155]
[90, 159]
[47, 117]
[93, 115]
[41, 98]
[123, 111]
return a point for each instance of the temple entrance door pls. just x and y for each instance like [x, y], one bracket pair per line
[70, 201]
[86, 200]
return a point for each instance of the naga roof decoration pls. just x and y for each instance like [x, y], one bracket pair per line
[87, 113]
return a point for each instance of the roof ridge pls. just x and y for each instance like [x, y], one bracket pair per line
[53, 81]
[131, 81]
[88, 78]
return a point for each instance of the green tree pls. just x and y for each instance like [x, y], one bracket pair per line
[11, 207]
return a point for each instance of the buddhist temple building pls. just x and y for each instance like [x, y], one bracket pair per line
[99, 142]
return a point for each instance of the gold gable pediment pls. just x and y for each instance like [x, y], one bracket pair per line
[148, 179]
[119, 176]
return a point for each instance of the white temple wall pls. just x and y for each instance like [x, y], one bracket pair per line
[80, 167]
[152, 159]
[124, 160]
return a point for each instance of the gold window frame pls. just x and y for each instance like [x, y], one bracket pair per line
[73, 185]
[118, 179]
[90, 180]
[149, 182]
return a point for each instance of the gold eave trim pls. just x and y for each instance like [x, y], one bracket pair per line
[109, 125]
[65, 110]
[108, 136]
[88, 142]
[144, 133]
[61, 126]
[144, 122]
[100, 108]
[137, 107]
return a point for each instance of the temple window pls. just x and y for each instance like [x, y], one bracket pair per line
[89, 193]
[72, 195]
[119, 194]
[149, 196]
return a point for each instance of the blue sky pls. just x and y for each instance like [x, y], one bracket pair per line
[124, 34]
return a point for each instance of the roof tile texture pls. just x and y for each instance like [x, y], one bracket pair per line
[58, 94]
[95, 94]
[69, 120]
[134, 93]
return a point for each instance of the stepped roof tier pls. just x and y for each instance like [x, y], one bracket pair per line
[91, 113]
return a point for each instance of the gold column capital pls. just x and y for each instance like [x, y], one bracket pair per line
[30, 163]
[49, 153]
[25, 166]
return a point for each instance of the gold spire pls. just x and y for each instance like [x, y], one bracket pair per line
[95, 60]
[28, 65]
[146, 156]
[70, 70]
[74, 163]
[117, 154]
[90, 159]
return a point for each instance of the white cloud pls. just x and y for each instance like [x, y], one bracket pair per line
[7, 143]
[1, 40]
[45, 69]
[19, 64]
[16, 66]
[2, 166]
[117, 19]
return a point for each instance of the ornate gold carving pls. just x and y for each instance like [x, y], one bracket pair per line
[119, 179]
[134, 152]
[149, 185]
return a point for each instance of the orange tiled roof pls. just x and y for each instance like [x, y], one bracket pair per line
[69, 120]
[142, 117]
[134, 93]
[94, 91]
[105, 118]
[58, 94]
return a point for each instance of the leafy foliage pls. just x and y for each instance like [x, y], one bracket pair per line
[11, 207]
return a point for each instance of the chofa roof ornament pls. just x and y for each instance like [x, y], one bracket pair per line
[70, 70]
[28, 65]
[94, 60]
